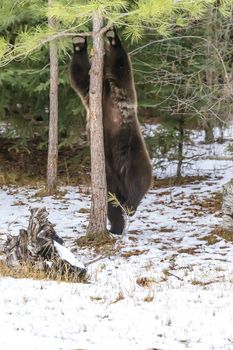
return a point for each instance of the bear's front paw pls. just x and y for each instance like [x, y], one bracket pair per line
[111, 35]
[79, 43]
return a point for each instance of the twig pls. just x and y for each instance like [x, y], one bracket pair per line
[183, 37]
[171, 274]
[95, 260]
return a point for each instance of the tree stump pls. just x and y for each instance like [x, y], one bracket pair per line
[41, 247]
[227, 207]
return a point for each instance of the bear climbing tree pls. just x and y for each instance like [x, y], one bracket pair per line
[128, 167]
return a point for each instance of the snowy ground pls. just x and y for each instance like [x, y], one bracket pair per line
[167, 286]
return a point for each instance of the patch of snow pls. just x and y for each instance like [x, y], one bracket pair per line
[67, 255]
[3, 128]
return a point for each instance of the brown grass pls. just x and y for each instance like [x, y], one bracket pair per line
[103, 243]
[28, 270]
[57, 194]
[96, 298]
[203, 283]
[134, 253]
[171, 181]
[119, 297]
[149, 298]
[190, 250]
[220, 232]
[16, 178]
[144, 281]
[166, 229]
[210, 239]
[213, 204]
[84, 210]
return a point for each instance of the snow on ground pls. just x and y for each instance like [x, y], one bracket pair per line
[167, 286]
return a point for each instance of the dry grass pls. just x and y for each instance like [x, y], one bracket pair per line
[43, 193]
[28, 270]
[190, 251]
[96, 298]
[145, 281]
[213, 204]
[166, 229]
[119, 297]
[96, 240]
[203, 283]
[171, 181]
[220, 232]
[134, 253]
[210, 239]
[149, 298]
[84, 210]
[16, 178]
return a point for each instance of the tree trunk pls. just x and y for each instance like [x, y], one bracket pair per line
[180, 150]
[227, 207]
[98, 215]
[211, 73]
[53, 116]
[209, 132]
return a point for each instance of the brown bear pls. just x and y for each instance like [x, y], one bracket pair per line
[128, 167]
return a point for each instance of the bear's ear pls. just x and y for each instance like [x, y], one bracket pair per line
[79, 43]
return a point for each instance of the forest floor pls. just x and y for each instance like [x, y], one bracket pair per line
[167, 285]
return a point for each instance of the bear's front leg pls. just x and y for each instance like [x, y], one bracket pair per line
[79, 69]
[79, 43]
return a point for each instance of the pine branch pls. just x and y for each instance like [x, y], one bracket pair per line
[126, 212]
[21, 51]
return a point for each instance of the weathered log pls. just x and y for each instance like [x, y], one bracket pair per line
[227, 207]
[40, 246]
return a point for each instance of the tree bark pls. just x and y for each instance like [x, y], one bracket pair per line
[209, 132]
[53, 116]
[98, 215]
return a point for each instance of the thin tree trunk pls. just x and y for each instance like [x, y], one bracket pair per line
[53, 116]
[180, 150]
[220, 139]
[98, 216]
[211, 74]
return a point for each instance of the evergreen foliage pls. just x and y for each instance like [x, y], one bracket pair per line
[169, 49]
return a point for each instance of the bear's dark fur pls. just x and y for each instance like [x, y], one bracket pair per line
[128, 167]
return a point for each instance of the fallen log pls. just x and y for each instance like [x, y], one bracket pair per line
[41, 247]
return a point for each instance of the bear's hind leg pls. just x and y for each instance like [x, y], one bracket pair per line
[116, 219]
